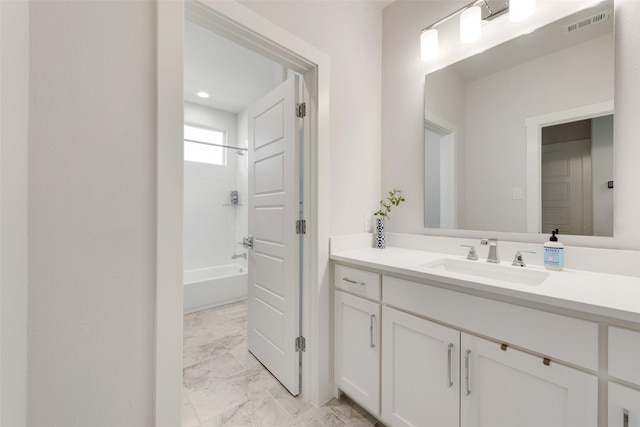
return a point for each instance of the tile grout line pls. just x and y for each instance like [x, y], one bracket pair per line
[280, 405]
[338, 417]
[194, 408]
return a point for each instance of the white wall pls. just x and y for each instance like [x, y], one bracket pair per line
[92, 210]
[210, 224]
[403, 134]
[242, 178]
[14, 113]
[348, 31]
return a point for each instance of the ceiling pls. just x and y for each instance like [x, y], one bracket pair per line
[232, 75]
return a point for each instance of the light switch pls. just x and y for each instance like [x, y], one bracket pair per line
[367, 223]
[517, 193]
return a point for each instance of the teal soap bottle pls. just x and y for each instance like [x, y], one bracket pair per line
[554, 253]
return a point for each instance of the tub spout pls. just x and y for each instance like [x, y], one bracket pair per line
[235, 256]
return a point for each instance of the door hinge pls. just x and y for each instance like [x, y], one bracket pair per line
[301, 226]
[301, 109]
[301, 343]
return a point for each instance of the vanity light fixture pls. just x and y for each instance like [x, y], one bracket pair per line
[470, 24]
[471, 17]
[429, 44]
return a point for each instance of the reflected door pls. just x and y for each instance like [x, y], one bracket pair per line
[566, 188]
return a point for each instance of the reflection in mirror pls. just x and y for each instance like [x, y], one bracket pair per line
[478, 160]
[576, 168]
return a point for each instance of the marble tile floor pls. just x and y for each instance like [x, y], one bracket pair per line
[224, 385]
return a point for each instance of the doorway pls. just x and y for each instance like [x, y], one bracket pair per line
[249, 29]
[440, 180]
[221, 80]
[577, 146]
[242, 188]
[577, 177]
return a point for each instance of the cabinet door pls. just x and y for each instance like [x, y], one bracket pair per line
[507, 388]
[357, 349]
[624, 406]
[420, 371]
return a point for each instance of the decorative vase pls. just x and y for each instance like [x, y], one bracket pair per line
[379, 233]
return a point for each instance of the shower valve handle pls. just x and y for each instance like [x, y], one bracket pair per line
[247, 242]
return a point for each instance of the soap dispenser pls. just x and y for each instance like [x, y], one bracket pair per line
[554, 253]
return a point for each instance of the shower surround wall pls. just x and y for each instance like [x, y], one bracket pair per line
[210, 221]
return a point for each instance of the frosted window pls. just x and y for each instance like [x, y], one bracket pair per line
[203, 153]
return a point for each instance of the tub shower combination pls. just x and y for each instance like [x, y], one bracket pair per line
[214, 218]
[210, 287]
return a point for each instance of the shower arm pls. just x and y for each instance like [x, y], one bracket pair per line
[217, 145]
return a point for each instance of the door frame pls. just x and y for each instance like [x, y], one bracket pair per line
[241, 25]
[534, 127]
[448, 133]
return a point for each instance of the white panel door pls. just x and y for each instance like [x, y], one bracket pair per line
[273, 300]
[624, 406]
[357, 349]
[567, 196]
[507, 388]
[420, 371]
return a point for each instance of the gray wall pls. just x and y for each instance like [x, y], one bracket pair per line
[14, 114]
[92, 190]
[92, 214]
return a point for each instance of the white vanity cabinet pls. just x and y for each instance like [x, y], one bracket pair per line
[624, 406]
[624, 365]
[357, 336]
[501, 386]
[420, 371]
[436, 375]
[476, 350]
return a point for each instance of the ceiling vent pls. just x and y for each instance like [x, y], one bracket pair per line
[583, 23]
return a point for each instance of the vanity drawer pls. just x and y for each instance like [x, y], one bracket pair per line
[551, 335]
[359, 282]
[624, 354]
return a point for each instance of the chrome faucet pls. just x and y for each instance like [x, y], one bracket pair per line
[471, 255]
[493, 250]
[518, 260]
[235, 256]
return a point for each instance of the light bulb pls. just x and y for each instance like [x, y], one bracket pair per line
[470, 25]
[429, 44]
[521, 9]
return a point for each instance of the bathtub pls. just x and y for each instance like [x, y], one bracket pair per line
[210, 287]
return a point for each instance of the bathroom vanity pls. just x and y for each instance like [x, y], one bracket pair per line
[431, 339]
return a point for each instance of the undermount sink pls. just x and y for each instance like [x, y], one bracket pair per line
[485, 270]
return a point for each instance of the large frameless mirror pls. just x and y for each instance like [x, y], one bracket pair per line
[519, 138]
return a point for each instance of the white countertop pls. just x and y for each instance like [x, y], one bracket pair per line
[610, 295]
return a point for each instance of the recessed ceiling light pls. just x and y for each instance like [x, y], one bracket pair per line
[203, 94]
